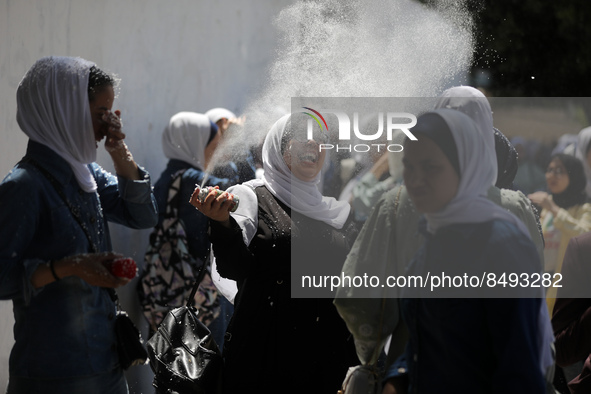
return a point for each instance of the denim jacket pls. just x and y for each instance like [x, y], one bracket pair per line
[66, 328]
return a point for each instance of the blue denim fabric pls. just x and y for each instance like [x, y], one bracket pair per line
[66, 328]
[111, 382]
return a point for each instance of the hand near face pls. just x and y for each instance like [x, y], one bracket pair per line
[114, 134]
[106, 123]
[123, 161]
[237, 121]
[224, 124]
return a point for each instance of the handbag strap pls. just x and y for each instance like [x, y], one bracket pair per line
[198, 280]
[381, 324]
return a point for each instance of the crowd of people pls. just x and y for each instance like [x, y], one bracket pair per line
[462, 198]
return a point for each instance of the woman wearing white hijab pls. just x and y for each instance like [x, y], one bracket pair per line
[189, 141]
[465, 343]
[192, 138]
[300, 345]
[472, 102]
[53, 225]
[237, 161]
[394, 221]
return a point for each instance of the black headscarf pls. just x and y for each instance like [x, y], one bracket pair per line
[575, 191]
[506, 161]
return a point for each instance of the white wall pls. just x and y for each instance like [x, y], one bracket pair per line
[170, 55]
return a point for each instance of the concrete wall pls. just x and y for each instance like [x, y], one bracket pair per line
[170, 55]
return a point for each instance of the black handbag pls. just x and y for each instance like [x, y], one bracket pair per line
[129, 342]
[183, 353]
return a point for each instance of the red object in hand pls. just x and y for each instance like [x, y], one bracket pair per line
[123, 268]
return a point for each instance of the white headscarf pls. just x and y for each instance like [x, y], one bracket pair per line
[186, 137]
[583, 141]
[470, 204]
[216, 114]
[473, 103]
[53, 110]
[303, 197]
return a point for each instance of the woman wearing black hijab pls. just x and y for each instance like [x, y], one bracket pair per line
[565, 213]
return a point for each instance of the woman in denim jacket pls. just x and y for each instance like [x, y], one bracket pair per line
[54, 206]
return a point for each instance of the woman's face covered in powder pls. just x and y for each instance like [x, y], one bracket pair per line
[301, 151]
[304, 159]
[431, 180]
